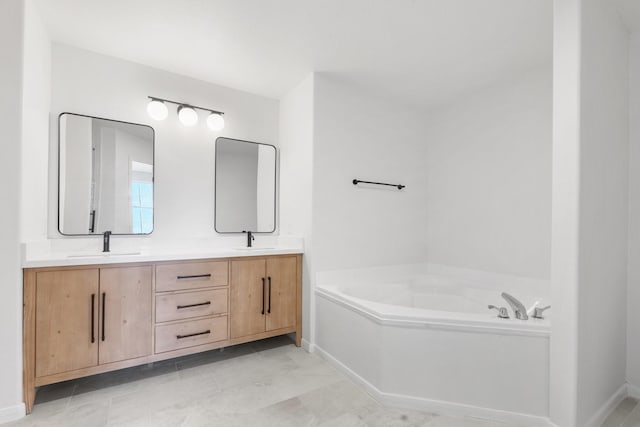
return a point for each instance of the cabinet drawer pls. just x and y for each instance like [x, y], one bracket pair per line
[190, 333]
[191, 304]
[191, 275]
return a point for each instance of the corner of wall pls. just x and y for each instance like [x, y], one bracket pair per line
[12, 24]
[633, 251]
[296, 184]
[12, 413]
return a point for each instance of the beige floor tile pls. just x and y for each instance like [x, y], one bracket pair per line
[262, 384]
[617, 417]
[392, 417]
[288, 413]
[337, 401]
[344, 420]
[633, 419]
[444, 421]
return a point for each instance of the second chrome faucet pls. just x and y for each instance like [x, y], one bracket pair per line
[518, 308]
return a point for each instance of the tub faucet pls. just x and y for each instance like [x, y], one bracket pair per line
[518, 308]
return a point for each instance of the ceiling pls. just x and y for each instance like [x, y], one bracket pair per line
[416, 52]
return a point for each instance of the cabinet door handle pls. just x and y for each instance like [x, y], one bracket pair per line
[193, 276]
[180, 307]
[104, 300]
[263, 295]
[193, 335]
[269, 309]
[93, 316]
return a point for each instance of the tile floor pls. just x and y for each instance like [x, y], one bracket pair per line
[627, 414]
[267, 383]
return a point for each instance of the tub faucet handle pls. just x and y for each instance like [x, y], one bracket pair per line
[502, 311]
[537, 312]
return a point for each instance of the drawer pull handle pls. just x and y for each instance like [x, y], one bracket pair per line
[93, 316]
[263, 291]
[193, 335]
[194, 276]
[104, 301]
[269, 309]
[179, 307]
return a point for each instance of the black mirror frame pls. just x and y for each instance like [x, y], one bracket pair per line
[275, 188]
[153, 178]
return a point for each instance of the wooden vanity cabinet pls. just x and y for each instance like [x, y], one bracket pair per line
[263, 295]
[125, 309]
[192, 304]
[89, 317]
[85, 320]
[66, 313]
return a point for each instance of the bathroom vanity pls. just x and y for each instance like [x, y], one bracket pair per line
[83, 319]
[86, 314]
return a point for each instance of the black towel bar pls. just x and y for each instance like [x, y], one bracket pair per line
[358, 181]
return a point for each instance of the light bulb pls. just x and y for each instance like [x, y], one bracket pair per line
[187, 115]
[215, 122]
[157, 110]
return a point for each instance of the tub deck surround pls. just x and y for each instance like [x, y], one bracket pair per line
[95, 314]
[402, 312]
[429, 342]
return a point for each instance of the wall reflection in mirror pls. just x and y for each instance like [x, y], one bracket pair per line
[105, 176]
[245, 188]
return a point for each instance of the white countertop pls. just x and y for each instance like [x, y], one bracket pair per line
[59, 259]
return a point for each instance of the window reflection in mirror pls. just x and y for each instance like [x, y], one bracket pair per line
[245, 186]
[105, 176]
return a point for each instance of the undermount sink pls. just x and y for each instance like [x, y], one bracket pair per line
[253, 248]
[102, 254]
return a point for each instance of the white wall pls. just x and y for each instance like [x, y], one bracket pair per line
[603, 207]
[590, 211]
[360, 136]
[11, 57]
[89, 83]
[488, 185]
[633, 301]
[296, 183]
[565, 213]
[35, 127]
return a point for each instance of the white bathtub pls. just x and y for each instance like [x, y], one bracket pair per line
[423, 337]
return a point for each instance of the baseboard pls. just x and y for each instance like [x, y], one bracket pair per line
[608, 407]
[633, 391]
[436, 406]
[308, 346]
[12, 413]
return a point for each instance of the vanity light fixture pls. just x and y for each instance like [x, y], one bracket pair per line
[157, 109]
[215, 122]
[187, 113]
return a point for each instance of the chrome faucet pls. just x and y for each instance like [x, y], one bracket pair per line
[518, 308]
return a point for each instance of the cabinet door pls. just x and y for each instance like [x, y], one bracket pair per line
[248, 293]
[66, 320]
[281, 292]
[125, 313]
